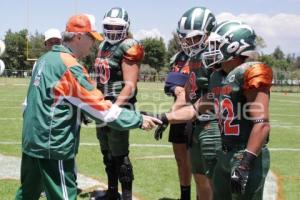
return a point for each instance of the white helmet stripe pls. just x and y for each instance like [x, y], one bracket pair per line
[114, 12]
[196, 12]
[123, 13]
[182, 22]
[204, 23]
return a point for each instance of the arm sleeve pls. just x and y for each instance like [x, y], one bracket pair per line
[259, 75]
[77, 87]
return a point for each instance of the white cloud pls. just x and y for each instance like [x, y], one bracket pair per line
[142, 34]
[278, 30]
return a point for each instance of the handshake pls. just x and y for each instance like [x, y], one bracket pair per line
[150, 120]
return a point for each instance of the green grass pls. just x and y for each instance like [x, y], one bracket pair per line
[155, 178]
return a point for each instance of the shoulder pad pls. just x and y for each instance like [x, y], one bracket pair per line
[176, 57]
[133, 50]
[173, 58]
[257, 75]
[129, 42]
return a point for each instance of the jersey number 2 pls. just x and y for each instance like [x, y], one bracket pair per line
[226, 121]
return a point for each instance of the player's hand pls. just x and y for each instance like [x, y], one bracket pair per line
[239, 178]
[161, 127]
[149, 122]
[85, 119]
[240, 174]
[179, 91]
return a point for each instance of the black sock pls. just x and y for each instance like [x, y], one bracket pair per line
[185, 192]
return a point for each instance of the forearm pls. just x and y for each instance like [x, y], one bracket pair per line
[128, 119]
[184, 114]
[259, 112]
[180, 100]
[258, 137]
[126, 93]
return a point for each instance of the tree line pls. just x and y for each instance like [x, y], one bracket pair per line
[22, 49]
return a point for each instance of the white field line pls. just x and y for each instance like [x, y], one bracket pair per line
[285, 101]
[12, 107]
[149, 146]
[20, 84]
[14, 84]
[11, 118]
[283, 115]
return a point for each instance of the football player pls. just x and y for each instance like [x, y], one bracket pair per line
[117, 68]
[240, 91]
[188, 81]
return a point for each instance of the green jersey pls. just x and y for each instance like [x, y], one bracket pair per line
[198, 75]
[230, 100]
[108, 66]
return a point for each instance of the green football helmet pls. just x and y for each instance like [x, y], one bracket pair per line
[228, 40]
[115, 25]
[193, 29]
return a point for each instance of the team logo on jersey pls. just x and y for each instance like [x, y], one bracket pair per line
[102, 70]
[231, 78]
[38, 76]
[104, 54]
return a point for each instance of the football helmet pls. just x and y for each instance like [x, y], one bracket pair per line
[193, 29]
[227, 40]
[115, 25]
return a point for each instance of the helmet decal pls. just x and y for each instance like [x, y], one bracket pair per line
[228, 40]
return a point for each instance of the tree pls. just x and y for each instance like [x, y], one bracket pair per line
[36, 46]
[173, 46]
[15, 55]
[260, 42]
[278, 53]
[297, 63]
[89, 60]
[155, 52]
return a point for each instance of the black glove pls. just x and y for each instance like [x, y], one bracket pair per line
[85, 119]
[240, 174]
[160, 127]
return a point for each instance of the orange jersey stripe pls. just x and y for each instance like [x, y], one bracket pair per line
[135, 53]
[68, 86]
[258, 75]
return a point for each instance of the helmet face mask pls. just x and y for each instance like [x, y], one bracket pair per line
[227, 41]
[192, 44]
[114, 34]
[115, 25]
[213, 54]
[193, 29]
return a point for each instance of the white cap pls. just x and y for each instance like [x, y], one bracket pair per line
[2, 67]
[2, 47]
[52, 33]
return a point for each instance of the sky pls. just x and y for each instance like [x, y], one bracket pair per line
[277, 21]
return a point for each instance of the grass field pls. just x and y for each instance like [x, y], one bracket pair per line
[156, 178]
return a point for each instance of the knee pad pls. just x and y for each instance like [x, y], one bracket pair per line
[125, 169]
